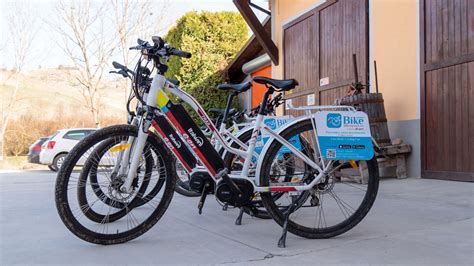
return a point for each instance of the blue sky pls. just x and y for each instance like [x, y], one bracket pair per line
[44, 52]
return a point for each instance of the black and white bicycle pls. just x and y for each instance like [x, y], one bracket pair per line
[304, 181]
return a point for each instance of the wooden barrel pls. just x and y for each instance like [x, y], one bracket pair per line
[372, 104]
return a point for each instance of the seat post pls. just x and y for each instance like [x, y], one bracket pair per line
[263, 105]
[227, 108]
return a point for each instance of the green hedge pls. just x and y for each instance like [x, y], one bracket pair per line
[213, 38]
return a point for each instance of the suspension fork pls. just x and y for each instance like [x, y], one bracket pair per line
[136, 153]
[143, 130]
[124, 155]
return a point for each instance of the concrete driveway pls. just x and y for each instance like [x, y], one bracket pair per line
[413, 221]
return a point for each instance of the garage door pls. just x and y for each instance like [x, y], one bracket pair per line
[447, 89]
[318, 48]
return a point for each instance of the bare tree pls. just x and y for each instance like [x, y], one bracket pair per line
[127, 14]
[133, 19]
[22, 27]
[88, 45]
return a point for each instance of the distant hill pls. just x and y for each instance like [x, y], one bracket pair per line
[46, 91]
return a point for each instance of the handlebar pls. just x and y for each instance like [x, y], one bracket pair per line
[153, 51]
[122, 67]
[180, 53]
[141, 45]
[159, 48]
[123, 70]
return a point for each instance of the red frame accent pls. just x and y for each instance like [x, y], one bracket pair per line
[282, 189]
[195, 149]
[206, 120]
[172, 148]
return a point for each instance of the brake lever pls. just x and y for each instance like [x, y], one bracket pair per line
[121, 72]
[141, 45]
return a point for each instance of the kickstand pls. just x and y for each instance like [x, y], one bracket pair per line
[282, 241]
[238, 221]
[203, 197]
[224, 208]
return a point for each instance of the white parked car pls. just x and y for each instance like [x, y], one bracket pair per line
[54, 151]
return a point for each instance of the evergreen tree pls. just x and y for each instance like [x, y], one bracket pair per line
[213, 38]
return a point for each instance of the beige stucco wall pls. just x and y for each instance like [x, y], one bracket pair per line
[395, 46]
[393, 41]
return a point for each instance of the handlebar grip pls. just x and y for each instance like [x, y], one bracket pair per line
[180, 53]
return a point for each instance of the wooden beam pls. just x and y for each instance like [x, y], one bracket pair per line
[261, 34]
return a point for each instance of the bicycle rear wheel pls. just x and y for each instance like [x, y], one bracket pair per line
[334, 205]
[120, 222]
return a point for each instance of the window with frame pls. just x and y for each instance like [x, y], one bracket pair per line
[77, 134]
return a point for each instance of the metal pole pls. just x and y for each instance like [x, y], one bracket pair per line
[376, 77]
[354, 62]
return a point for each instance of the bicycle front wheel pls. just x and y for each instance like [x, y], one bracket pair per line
[123, 216]
[337, 203]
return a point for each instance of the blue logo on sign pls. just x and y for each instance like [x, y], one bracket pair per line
[334, 120]
[271, 123]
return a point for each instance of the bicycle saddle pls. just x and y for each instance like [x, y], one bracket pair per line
[240, 87]
[284, 84]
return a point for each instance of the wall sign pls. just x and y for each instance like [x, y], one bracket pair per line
[310, 99]
[324, 81]
[344, 135]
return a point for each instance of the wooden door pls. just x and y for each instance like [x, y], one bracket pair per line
[447, 89]
[318, 48]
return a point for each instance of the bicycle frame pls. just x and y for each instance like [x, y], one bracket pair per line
[229, 132]
[124, 155]
[158, 98]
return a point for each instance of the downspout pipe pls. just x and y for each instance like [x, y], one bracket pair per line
[259, 62]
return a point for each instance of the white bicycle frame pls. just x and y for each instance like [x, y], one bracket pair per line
[161, 84]
[232, 133]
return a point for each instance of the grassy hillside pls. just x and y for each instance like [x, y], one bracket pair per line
[48, 91]
[49, 100]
